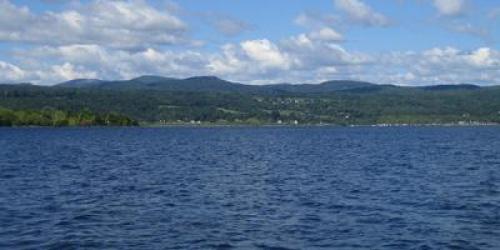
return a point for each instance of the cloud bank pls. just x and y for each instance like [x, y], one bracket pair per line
[126, 39]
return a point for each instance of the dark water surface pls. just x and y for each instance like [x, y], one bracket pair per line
[250, 188]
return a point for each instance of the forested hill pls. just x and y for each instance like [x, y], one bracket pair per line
[205, 99]
[214, 84]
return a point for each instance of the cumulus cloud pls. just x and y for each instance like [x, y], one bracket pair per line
[124, 39]
[251, 61]
[449, 10]
[229, 62]
[446, 65]
[68, 71]
[359, 12]
[321, 26]
[449, 7]
[112, 23]
[303, 58]
[485, 57]
[326, 34]
[11, 73]
[49, 64]
[295, 59]
[312, 53]
[266, 53]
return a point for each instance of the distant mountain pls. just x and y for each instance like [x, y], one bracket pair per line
[147, 79]
[18, 84]
[215, 84]
[451, 87]
[192, 84]
[81, 83]
[329, 86]
[345, 85]
[214, 100]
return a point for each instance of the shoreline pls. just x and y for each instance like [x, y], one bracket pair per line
[451, 124]
[321, 125]
[213, 125]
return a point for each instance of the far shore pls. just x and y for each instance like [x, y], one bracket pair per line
[271, 125]
[318, 125]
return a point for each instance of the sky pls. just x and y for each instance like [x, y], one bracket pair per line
[403, 42]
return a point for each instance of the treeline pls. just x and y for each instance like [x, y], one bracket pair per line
[389, 105]
[59, 118]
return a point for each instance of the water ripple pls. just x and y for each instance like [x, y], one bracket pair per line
[250, 188]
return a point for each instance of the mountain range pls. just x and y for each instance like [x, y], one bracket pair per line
[208, 99]
[215, 84]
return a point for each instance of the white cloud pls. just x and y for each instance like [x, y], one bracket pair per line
[111, 23]
[313, 51]
[485, 57]
[359, 12]
[450, 7]
[314, 20]
[251, 61]
[229, 62]
[11, 73]
[470, 29]
[443, 66]
[125, 39]
[12, 17]
[326, 34]
[296, 59]
[48, 75]
[302, 58]
[453, 59]
[68, 71]
[266, 53]
[48, 65]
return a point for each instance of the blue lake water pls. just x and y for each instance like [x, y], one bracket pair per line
[250, 188]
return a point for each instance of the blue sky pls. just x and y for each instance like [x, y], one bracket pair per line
[406, 42]
[416, 26]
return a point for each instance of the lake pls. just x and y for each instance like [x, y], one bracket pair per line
[250, 188]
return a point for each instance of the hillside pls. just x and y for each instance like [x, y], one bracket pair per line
[151, 99]
[215, 84]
